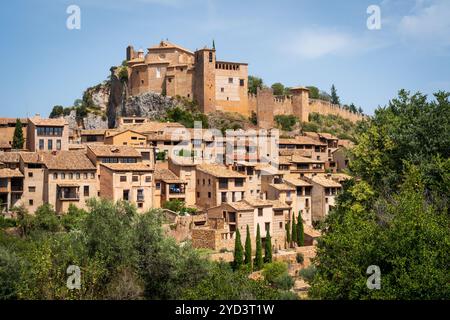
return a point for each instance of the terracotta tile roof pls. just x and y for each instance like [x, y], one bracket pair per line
[241, 206]
[6, 121]
[311, 231]
[169, 45]
[154, 126]
[309, 141]
[5, 145]
[166, 175]
[30, 157]
[59, 122]
[66, 160]
[300, 159]
[140, 166]
[116, 133]
[219, 171]
[282, 186]
[327, 136]
[10, 157]
[10, 173]
[97, 132]
[300, 152]
[348, 144]
[340, 177]
[276, 204]
[113, 151]
[322, 180]
[296, 181]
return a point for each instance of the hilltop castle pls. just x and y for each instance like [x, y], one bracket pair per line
[172, 70]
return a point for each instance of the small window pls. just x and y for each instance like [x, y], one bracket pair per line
[210, 57]
[241, 82]
[30, 174]
[70, 176]
[209, 195]
[140, 205]
[31, 189]
[148, 179]
[63, 176]
[50, 144]
[260, 212]
[58, 144]
[55, 176]
[41, 144]
[158, 186]
[281, 225]
[85, 176]
[230, 80]
[92, 175]
[77, 176]
[222, 89]
[135, 178]
[31, 202]
[86, 191]
[198, 194]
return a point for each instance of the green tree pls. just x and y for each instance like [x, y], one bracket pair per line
[248, 250]
[276, 273]
[57, 112]
[18, 139]
[294, 230]
[313, 92]
[334, 96]
[254, 83]
[287, 226]
[238, 252]
[268, 248]
[299, 227]
[278, 89]
[258, 254]
[286, 122]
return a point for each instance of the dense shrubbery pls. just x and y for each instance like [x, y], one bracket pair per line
[286, 122]
[336, 125]
[396, 215]
[121, 254]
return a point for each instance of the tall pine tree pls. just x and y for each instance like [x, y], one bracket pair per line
[300, 235]
[18, 136]
[334, 96]
[258, 254]
[238, 251]
[248, 250]
[268, 248]
[294, 231]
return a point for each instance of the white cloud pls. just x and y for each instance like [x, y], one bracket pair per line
[319, 42]
[429, 21]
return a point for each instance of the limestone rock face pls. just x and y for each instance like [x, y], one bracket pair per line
[100, 96]
[93, 121]
[72, 120]
[150, 105]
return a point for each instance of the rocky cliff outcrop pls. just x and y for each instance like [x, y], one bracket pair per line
[149, 105]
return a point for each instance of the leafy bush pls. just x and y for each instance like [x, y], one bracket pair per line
[308, 273]
[286, 122]
[300, 258]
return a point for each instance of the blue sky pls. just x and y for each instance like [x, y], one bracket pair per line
[294, 42]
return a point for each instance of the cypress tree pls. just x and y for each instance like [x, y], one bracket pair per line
[294, 231]
[300, 236]
[248, 250]
[18, 136]
[258, 256]
[238, 251]
[288, 233]
[334, 96]
[268, 248]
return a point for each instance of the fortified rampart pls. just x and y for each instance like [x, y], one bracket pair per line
[267, 106]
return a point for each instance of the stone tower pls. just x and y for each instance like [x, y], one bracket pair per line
[205, 79]
[300, 103]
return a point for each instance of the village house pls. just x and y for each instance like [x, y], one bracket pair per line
[125, 138]
[217, 184]
[323, 196]
[69, 178]
[47, 134]
[225, 219]
[33, 169]
[131, 182]
[318, 149]
[92, 136]
[168, 186]
[186, 171]
[301, 198]
[11, 187]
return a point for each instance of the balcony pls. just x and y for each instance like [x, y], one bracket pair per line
[69, 193]
[17, 188]
[176, 188]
